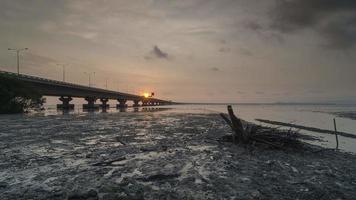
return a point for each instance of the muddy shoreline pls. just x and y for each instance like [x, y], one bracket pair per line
[158, 156]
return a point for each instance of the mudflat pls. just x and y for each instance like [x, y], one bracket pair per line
[158, 156]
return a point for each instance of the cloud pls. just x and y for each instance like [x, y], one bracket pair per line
[210, 94]
[200, 31]
[156, 52]
[241, 92]
[167, 93]
[334, 20]
[159, 53]
[222, 41]
[246, 52]
[38, 60]
[290, 15]
[340, 34]
[267, 33]
[254, 26]
[224, 50]
[215, 69]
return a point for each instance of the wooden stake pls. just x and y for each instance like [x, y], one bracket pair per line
[336, 136]
[237, 126]
[227, 120]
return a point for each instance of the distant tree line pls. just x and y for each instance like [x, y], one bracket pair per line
[17, 97]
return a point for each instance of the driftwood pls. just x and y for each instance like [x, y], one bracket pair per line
[318, 130]
[110, 162]
[245, 133]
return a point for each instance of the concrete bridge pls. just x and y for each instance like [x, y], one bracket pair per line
[66, 91]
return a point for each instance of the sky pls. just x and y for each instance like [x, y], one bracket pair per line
[238, 51]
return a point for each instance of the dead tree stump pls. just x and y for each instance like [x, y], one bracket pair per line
[239, 135]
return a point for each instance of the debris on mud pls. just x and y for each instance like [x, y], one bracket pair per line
[247, 133]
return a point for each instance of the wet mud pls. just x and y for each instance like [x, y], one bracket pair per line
[158, 156]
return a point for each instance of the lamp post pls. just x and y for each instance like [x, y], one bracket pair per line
[18, 57]
[89, 75]
[64, 71]
[94, 77]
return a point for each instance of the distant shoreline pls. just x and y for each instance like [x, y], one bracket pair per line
[279, 104]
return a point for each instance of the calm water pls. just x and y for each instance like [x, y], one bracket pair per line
[318, 116]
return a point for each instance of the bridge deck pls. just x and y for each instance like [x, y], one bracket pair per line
[48, 87]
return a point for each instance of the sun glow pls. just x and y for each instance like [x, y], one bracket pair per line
[146, 94]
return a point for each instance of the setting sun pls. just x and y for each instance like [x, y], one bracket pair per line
[146, 94]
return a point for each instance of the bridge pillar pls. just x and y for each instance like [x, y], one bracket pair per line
[91, 103]
[122, 103]
[65, 103]
[136, 103]
[145, 103]
[104, 103]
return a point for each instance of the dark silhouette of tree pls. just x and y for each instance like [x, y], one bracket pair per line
[17, 97]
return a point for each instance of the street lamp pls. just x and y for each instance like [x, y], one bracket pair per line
[89, 75]
[18, 57]
[64, 71]
[94, 77]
